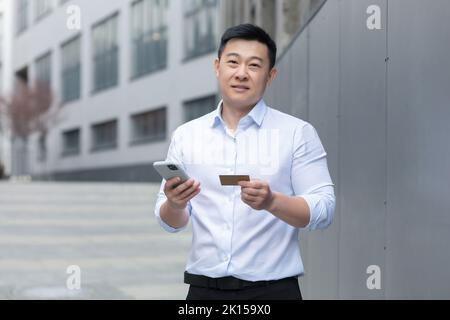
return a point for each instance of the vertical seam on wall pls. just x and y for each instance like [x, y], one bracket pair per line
[386, 153]
[338, 205]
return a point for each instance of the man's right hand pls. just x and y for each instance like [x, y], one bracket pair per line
[179, 195]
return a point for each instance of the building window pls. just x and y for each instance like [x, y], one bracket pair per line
[22, 15]
[200, 27]
[42, 8]
[70, 70]
[43, 68]
[42, 147]
[71, 142]
[194, 109]
[104, 135]
[149, 126]
[149, 36]
[106, 51]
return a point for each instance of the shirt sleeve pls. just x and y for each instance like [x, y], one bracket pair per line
[310, 177]
[174, 155]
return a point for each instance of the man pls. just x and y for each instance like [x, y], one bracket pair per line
[245, 237]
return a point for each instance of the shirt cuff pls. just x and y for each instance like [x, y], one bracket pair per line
[164, 225]
[315, 212]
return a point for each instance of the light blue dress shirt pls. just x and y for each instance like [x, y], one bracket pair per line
[229, 238]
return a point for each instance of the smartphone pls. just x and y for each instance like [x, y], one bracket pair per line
[169, 170]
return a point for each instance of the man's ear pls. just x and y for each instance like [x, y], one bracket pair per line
[216, 66]
[272, 76]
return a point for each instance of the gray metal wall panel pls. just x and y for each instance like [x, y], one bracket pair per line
[279, 96]
[418, 227]
[283, 92]
[289, 90]
[321, 277]
[386, 131]
[362, 146]
[298, 81]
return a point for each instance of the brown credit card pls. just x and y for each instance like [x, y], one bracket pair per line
[232, 180]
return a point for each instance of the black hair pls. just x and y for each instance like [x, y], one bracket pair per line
[249, 31]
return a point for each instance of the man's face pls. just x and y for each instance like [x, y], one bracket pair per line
[243, 72]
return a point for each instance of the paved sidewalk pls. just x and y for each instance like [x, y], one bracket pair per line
[107, 229]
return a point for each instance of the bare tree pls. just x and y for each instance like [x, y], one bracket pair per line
[28, 111]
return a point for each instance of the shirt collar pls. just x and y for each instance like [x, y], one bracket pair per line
[256, 114]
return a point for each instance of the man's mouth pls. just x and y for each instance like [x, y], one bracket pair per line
[240, 88]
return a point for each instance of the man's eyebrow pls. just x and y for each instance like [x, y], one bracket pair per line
[237, 55]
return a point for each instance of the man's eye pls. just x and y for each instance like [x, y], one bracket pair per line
[232, 61]
[255, 65]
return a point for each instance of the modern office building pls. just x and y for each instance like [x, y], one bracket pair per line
[124, 75]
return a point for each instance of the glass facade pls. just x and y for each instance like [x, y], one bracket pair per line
[71, 142]
[149, 36]
[149, 126]
[196, 108]
[70, 70]
[42, 147]
[104, 135]
[105, 54]
[44, 68]
[200, 27]
[22, 15]
[42, 8]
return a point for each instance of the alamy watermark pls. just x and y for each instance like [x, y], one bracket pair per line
[374, 280]
[74, 280]
[73, 21]
[256, 148]
[373, 21]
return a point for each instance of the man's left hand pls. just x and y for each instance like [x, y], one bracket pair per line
[257, 194]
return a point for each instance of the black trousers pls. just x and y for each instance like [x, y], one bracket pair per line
[284, 289]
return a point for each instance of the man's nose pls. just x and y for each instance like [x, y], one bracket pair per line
[241, 72]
